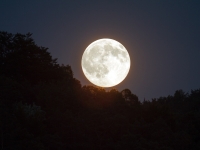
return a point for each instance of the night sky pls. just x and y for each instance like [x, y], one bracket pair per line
[161, 36]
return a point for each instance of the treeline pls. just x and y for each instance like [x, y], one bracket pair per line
[43, 107]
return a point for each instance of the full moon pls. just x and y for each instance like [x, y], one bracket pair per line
[105, 62]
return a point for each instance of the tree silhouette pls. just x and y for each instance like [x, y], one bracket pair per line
[42, 106]
[22, 60]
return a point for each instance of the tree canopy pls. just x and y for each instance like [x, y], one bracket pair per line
[42, 106]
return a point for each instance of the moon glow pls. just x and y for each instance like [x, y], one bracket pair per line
[105, 62]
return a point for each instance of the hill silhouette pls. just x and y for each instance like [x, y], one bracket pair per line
[42, 106]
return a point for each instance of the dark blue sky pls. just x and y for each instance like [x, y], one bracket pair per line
[161, 36]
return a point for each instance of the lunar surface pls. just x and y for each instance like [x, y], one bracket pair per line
[105, 62]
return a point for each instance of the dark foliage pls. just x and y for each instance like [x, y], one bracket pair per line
[42, 106]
